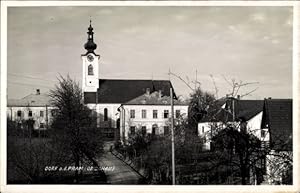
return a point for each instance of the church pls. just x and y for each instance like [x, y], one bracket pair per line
[105, 96]
[122, 106]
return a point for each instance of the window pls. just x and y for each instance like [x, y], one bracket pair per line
[30, 114]
[90, 70]
[177, 114]
[132, 114]
[132, 130]
[166, 114]
[154, 114]
[144, 130]
[154, 129]
[105, 115]
[166, 130]
[202, 129]
[19, 113]
[263, 133]
[41, 113]
[42, 125]
[144, 114]
[53, 112]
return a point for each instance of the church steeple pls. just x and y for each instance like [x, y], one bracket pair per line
[90, 45]
[90, 66]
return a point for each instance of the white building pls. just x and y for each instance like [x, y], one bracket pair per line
[105, 96]
[34, 106]
[149, 113]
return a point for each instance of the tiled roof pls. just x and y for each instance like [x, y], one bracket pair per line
[32, 100]
[243, 109]
[153, 99]
[246, 109]
[121, 91]
[279, 116]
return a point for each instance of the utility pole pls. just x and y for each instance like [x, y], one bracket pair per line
[233, 113]
[47, 120]
[173, 140]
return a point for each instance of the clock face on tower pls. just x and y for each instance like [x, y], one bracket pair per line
[90, 58]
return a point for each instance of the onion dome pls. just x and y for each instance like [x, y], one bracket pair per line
[90, 45]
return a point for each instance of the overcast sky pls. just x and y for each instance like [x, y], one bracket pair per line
[249, 44]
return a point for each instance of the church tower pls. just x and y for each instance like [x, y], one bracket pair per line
[90, 79]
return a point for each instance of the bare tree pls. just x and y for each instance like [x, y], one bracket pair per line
[235, 87]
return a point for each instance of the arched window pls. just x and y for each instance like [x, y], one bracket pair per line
[90, 70]
[105, 114]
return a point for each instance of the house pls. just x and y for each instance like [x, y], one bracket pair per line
[105, 96]
[34, 106]
[270, 120]
[149, 113]
[245, 114]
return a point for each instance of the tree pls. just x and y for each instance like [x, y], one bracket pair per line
[242, 149]
[199, 103]
[157, 160]
[74, 129]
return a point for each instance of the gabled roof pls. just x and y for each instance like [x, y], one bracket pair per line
[223, 110]
[32, 100]
[153, 99]
[246, 109]
[279, 117]
[121, 91]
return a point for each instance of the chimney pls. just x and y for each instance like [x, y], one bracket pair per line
[38, 92]
[159, 93]
[238, 97]
[148, 91]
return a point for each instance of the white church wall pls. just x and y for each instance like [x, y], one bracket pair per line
[112, 114]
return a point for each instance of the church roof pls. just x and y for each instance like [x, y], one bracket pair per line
[121, 91]
[32, 100]
[154, 98]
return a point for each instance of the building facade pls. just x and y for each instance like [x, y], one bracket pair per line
[36, 107]
[149, 113]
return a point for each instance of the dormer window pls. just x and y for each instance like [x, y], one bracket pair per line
[90, 70]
